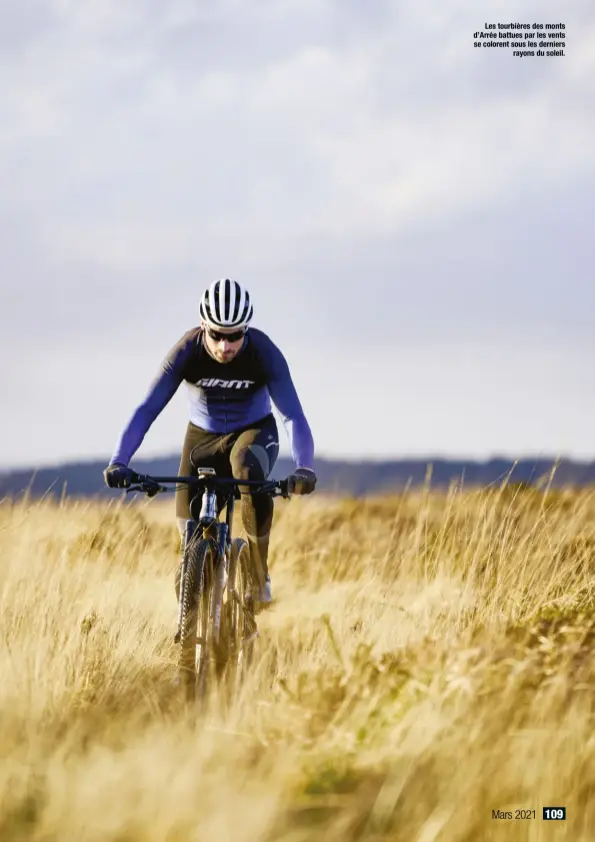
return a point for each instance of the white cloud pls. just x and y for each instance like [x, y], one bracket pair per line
[140, 149]
[352, 163]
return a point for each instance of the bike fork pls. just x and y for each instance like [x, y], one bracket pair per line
[220, 578]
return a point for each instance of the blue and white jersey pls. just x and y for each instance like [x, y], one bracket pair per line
[223, 397]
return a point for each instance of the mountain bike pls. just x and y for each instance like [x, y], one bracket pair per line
[217, 626]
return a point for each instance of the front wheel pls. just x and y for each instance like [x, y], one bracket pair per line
[241, 623]
[194, 627]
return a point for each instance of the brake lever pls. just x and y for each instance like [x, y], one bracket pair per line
[149, 490]
[152, 492]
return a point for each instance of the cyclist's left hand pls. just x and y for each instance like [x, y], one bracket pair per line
[117, 475]
[301, 481]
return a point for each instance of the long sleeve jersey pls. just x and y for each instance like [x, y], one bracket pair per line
[223, 397]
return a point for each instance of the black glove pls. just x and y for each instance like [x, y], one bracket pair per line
[301, 481]
[117, 476]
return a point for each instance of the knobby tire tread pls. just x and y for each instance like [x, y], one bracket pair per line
[198, 554]
[242, 624]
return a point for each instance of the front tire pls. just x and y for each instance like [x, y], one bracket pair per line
[193, 652]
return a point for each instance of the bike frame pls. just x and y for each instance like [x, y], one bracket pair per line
[207, 481]
[212, 527]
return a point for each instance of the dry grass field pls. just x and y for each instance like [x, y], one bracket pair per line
[429, 661]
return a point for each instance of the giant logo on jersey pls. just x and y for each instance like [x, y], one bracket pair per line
[225, 384]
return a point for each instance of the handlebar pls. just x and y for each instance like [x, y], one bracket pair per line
[154, 485]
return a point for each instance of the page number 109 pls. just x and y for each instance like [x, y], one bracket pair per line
[554, 813]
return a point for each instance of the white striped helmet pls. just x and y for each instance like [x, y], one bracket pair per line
[226, 304]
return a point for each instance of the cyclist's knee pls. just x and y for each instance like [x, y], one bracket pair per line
[251, 463]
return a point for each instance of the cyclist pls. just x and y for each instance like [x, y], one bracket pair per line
[232, 372]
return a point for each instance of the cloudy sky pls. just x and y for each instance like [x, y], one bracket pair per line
[413, 217]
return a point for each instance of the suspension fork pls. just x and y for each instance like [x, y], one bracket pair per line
[220, 577]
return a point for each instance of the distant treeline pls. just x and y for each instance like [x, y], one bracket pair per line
[85, 479]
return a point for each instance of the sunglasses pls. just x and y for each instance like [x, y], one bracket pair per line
[219, 336]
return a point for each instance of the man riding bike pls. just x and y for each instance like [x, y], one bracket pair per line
[232, 372]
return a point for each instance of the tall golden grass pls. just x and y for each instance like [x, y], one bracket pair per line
[429, 661]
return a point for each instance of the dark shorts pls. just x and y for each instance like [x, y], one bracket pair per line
[249, 453]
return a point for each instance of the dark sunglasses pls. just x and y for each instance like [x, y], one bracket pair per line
[218, 336]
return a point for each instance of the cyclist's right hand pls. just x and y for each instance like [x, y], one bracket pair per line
[117, 476]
